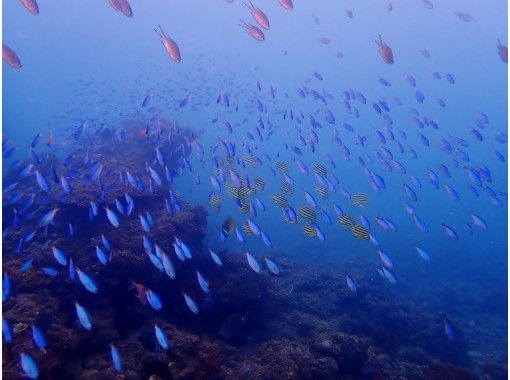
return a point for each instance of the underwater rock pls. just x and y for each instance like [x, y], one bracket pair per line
[447, 371]
[347, 350]
[283, 358]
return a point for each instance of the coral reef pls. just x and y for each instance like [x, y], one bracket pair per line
[303, 324]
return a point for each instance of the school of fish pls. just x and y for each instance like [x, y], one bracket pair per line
[238, 167]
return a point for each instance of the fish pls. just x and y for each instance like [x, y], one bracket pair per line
[360, 232]
[122, 6]
[351, 284]
[449, 330]
[258, 15]
[502, 52]
[29, 366]
[215, 258]
[169, 44]
[41, 181]
[385, 51]
[7, 332]
[116, 359]
[161, 337]
[388, 263]
[39, 338]
[168, 266]
[424, 255]
[153, 299]
[420, 223]
[253, 31]
[112, 217]
[26, 265]
[87, 282]
[48, 217]
[286, 4]
[252, 262]
[59, 256]
[389, 276]
[271, 266]
[464, 16]
[478, 221]
[202, 282]
[449, 231]
[83, 316]
[155, 176]
[31, 6]
[359, 199]
[192, 305]
[346, 220]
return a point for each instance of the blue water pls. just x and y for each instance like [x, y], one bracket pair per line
[84, 62]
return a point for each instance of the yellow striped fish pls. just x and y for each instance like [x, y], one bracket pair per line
[245, 206]
[250, 160]
[247, 229]
[259, 184]
[360, 232]
[308, 213]
[320, 170]
[309, 230]
[359, 199]
[233, 191]
[282, 166]
[322, 191]
[244, 192]
[286, 188]
[346, 220]
[280, 200]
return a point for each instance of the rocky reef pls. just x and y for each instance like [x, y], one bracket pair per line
[302, 324]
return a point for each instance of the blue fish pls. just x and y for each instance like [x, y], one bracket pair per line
[153, 299]
[116, 359]
[59, 256]
[48, 217]
[7, 331]
[49, 271]
[101, 256]
[39, 338]
[41, 181]
[86, 281]
[83, 317]
[161, 337]
[112, 217]
[29, 366]
[26, 265]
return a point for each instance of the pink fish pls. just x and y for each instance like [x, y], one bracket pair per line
[10, 57]
[286, 4]
[140, 291]
[502, 52]
[385, 51]
[31, 5]
[170, 46]
[258, 15]
[253, 31]
[464, 16]
[122, 6]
